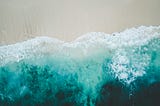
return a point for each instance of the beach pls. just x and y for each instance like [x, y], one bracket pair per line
[79, 52]
[66, 20]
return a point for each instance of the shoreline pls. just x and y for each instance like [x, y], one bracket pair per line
[70, 39]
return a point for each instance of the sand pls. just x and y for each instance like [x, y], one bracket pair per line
[69, 19]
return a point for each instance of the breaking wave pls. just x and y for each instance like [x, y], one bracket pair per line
[96, 69]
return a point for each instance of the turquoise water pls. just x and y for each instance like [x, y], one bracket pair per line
[122, 69]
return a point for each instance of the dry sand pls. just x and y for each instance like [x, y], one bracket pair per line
[68, 19]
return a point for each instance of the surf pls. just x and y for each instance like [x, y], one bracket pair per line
[93, 70]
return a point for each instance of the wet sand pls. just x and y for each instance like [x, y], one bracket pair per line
[69, 19]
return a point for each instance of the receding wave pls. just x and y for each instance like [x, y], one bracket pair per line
[96, 69]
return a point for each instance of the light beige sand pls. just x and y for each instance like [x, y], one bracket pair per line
[68, 19]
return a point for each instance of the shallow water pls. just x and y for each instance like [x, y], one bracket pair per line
[97, 69]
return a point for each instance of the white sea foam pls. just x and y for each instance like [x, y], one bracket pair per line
[84, 44]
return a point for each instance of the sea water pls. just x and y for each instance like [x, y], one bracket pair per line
[96, 69]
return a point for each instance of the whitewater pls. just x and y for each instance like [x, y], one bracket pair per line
[96, 69]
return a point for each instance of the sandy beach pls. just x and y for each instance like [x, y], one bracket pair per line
[67, 20]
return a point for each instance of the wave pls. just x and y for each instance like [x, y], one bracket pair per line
[48, 71]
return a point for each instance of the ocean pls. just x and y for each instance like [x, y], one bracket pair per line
[96, 69]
